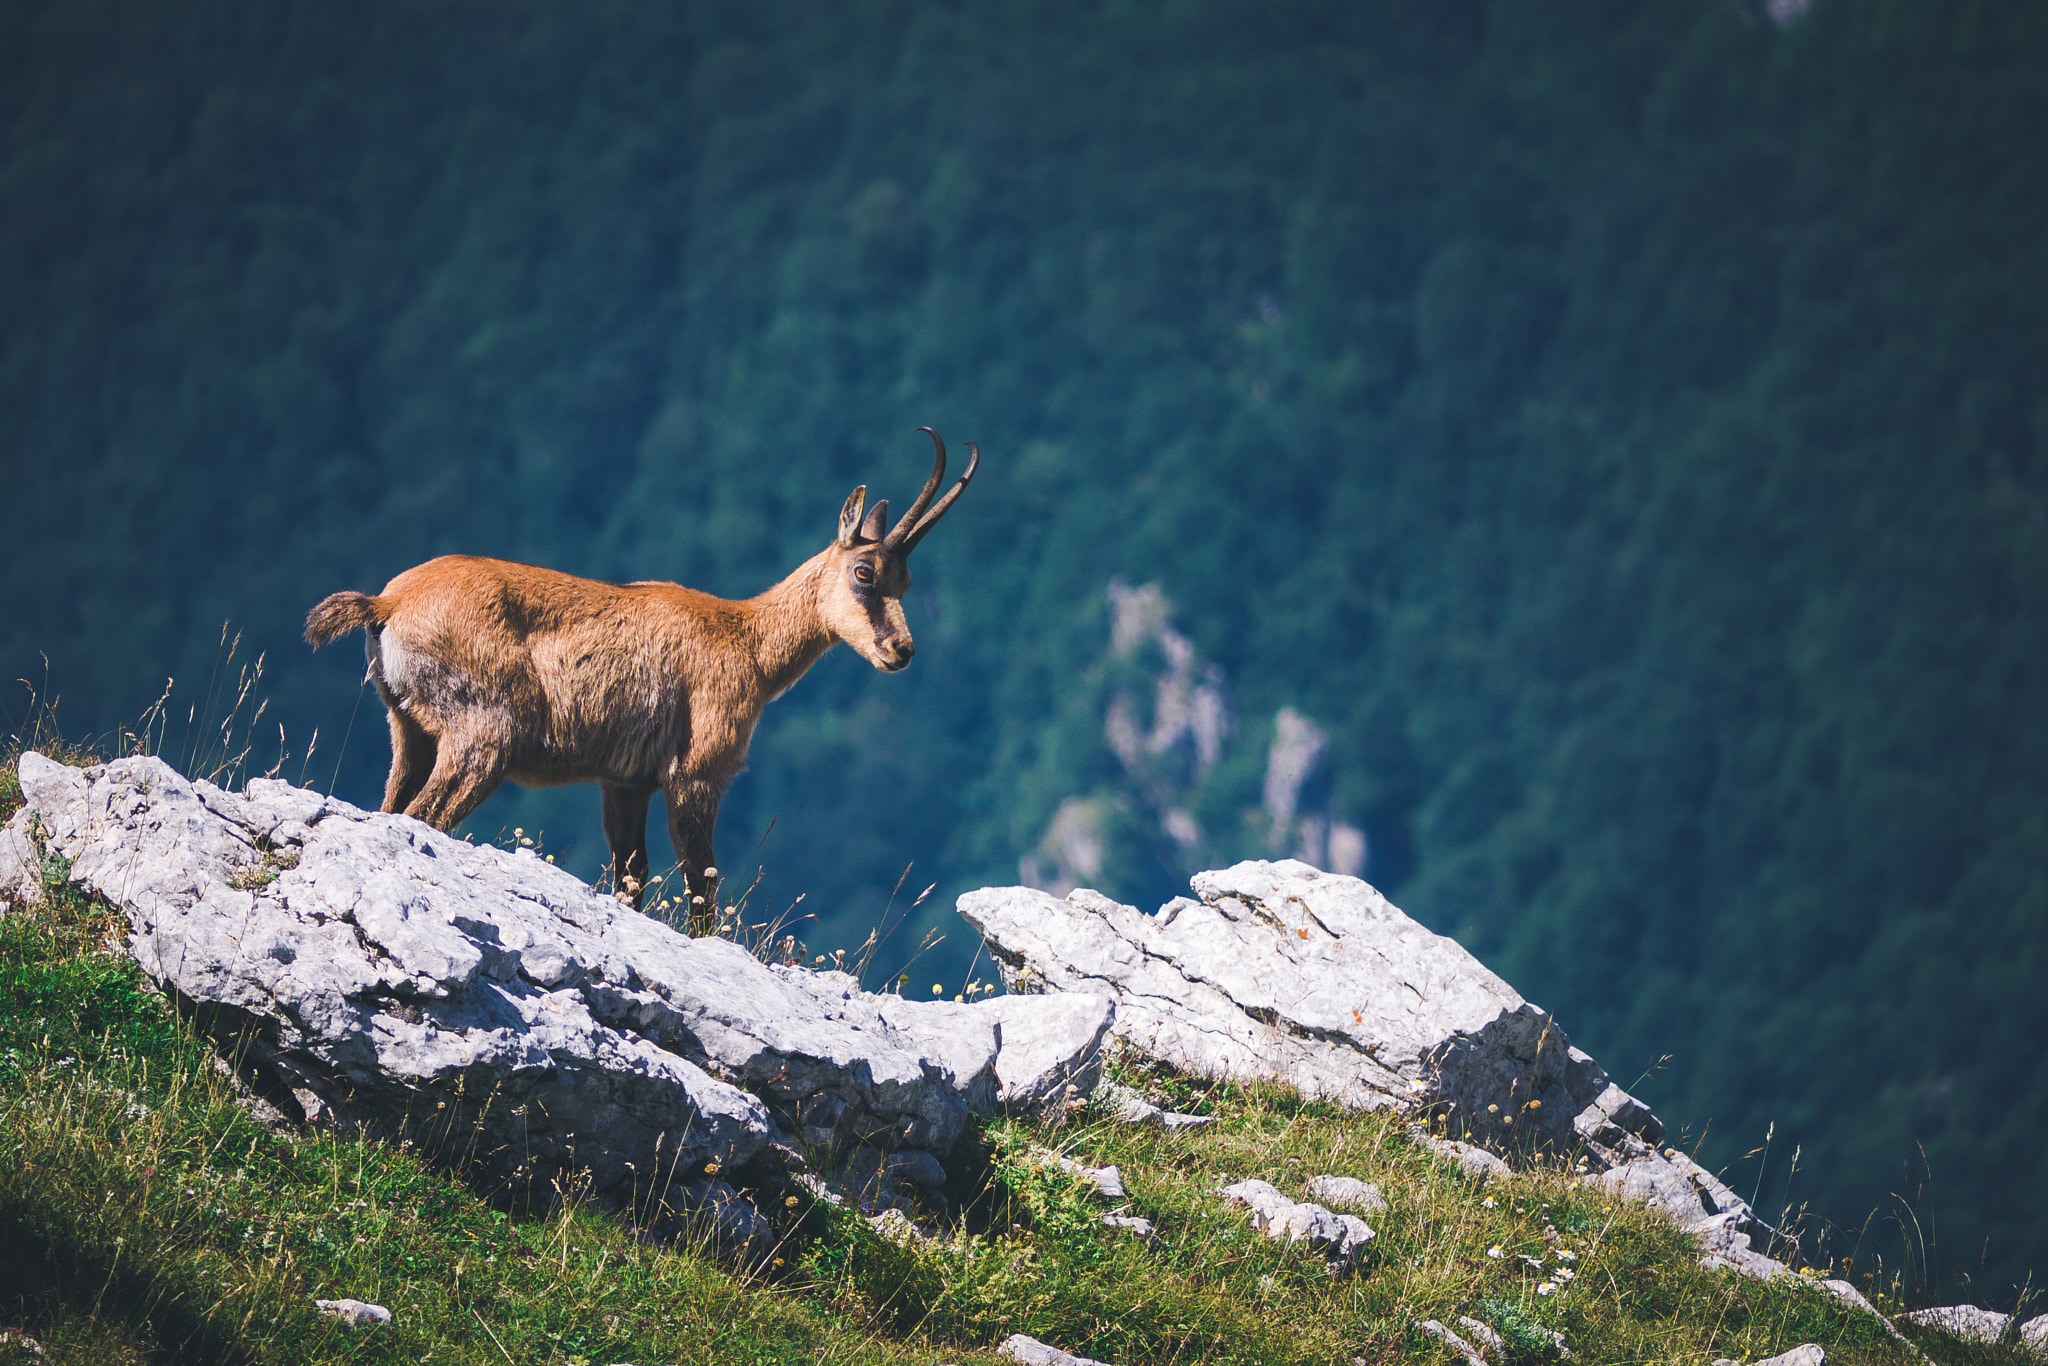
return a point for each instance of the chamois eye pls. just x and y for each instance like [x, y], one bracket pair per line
[863, 574]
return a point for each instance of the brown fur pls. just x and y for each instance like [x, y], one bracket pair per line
[495, 670]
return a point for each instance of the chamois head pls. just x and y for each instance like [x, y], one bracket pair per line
[865, 571]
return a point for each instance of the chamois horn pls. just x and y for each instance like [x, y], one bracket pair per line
[916, 521]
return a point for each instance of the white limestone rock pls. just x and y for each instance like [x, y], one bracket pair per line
[1336, 1237]
[2034, 1336]
[1131, 1108]
[1347, 1192]
[376, 974]
[1964, 1322]
[21, 863]
[1805, 1354]
[1475, 1160]
[1697, 1201]
[1042, 1044]
[1472, 1355]
[1029, 1351]
[1283, 972]
[1106, 1180]
[355, 1313]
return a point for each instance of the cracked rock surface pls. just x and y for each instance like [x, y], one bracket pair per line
[1285, 972]
[376, 974]
[1337, 1238]
[1697, 1201]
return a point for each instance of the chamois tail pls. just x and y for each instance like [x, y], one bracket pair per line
[340, 613]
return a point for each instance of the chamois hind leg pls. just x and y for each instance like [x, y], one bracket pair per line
[692, 814]
[625, 830]
[412, 759]
[465, 772]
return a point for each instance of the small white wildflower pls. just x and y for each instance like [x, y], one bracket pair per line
[1545, 1288]
[1564, 1273]
[1489, 1203]
[1532, 1261]
[1494, 1252]
[1567, 1255]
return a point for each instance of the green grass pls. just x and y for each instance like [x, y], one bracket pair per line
[146, 1217]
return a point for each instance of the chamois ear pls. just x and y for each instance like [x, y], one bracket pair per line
[877, 522]
[849, 517]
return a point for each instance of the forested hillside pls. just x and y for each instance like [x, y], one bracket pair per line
[1584, 465]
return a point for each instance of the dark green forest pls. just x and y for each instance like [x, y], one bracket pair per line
[1585, 465]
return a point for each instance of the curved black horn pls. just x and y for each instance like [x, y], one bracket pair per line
[924, 499]
[930, 518]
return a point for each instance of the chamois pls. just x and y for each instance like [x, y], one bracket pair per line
[495, 670]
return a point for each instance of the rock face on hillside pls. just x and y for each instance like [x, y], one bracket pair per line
[369, 973]
[376, 974]
[1281, 971]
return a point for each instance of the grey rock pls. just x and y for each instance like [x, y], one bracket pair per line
[1347, 1192]
[1694, 1199]
[1474, 1159]
[737, 1228]
[1472, 1355]
[1849, 1294]
[355, 1313]
[373, 974]
[896, 1227]
[1042, 1044]
[1481, 1335]
[1106, 1180]
[2034, 1335]
[1130, 1223]
[1965, 1322]
[1805, 1354]
[1336, 1237]
[1029, 1351]
[21, 863]
[878, 1180]
[1488, 1342]
[1131, 1108]
[1283, 972]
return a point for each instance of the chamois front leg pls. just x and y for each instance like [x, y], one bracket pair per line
[692, 814]
[625, 829]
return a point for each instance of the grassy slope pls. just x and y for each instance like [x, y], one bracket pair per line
[145, 1217]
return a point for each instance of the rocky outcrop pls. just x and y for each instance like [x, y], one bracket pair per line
[1280, 971]
[1731, 1236]
[367, 972]
[1029, 1351]
[1805, 1354]
[1336, 1238]
[355, 1313]
[1347, 1192]
[1970, 1323]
